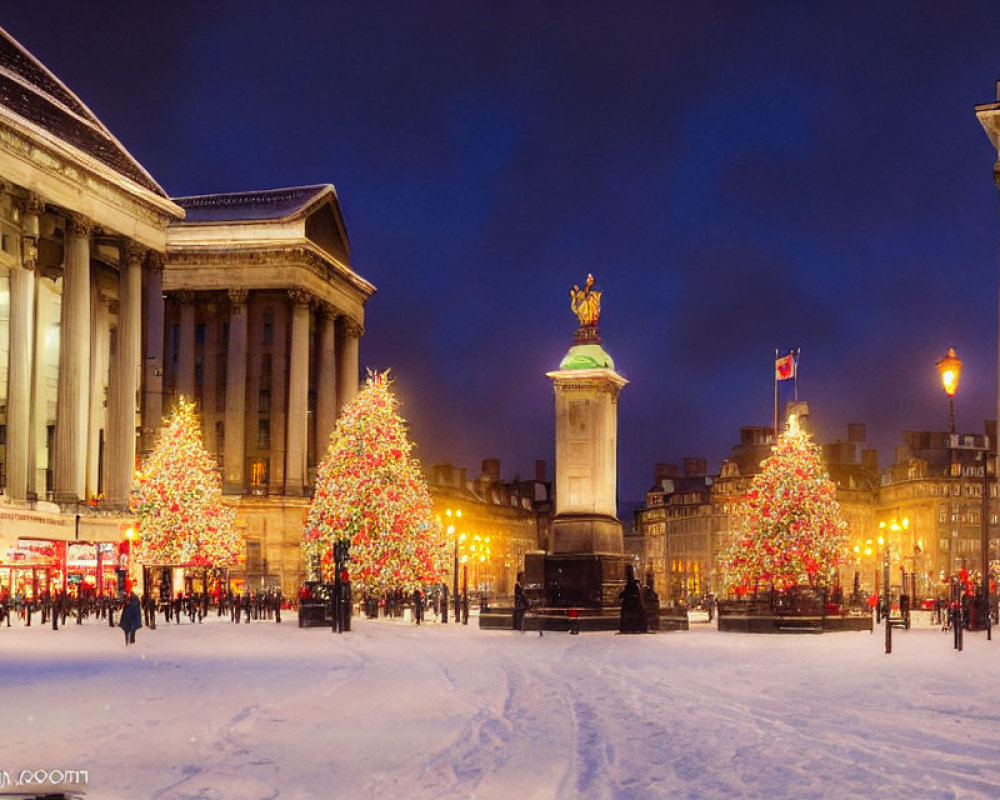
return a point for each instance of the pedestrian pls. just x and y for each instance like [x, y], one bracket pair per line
[131, 619]
[520, 603]
[418, 606]
[632, 618]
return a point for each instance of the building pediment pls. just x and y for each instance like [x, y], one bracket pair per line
[299, 212]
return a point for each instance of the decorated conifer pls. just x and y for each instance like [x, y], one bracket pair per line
[371, 494]
[791, 530]
[177, 497]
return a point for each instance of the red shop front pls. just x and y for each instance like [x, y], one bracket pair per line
[37, 566]
[33, 567]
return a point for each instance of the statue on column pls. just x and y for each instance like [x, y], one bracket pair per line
[586, 303]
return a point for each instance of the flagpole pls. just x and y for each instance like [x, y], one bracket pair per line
[798, 352]
[774, 438]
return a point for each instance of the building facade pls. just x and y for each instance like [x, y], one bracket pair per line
[82, 237]
[261, 325]
[114, 300]
[491, 523]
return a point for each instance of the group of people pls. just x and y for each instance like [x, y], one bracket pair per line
[421, 603]
[133, 612]
[56, 607]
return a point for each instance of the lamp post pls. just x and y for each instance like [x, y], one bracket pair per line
[453, 532]
[950, 370]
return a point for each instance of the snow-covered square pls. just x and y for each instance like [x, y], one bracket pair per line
[392, 710]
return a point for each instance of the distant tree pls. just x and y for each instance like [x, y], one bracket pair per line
[371, 494]
[791, 530]
[177, 497]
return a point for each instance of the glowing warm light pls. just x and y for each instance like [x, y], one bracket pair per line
[868, 551]
[177, 496]
[370, 490]
[950, 369]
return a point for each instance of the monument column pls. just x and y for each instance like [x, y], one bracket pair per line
[185, 358]
[298, 396]
[349, 367]
[121, 438]
[326, 379]
[22, 336]
[586, 566]
[152, 384]
[74, 365]
[236, 394]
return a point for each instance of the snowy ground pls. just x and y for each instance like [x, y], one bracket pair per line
[395, 711]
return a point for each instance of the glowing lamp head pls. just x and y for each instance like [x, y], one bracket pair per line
[130, 534]
[950, 370]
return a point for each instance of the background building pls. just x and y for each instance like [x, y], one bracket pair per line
[492, 522]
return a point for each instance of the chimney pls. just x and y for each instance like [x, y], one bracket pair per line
[663, 471]
[856, 432]
[693, 467]
[491, 469]
[869, 460]
[540, 470]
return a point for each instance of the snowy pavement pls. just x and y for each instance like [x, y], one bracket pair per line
[395, 711]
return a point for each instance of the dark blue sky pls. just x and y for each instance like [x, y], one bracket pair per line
[737, 176]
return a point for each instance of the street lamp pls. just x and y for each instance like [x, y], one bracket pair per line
[950, 370]
[453, 531]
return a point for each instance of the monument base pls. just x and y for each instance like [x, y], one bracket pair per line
[574, 580]
[586, 534]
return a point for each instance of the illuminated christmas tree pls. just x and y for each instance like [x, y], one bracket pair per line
[177, 497]
[371, 493]
[792, 532]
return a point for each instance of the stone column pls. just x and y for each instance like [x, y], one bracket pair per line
[74, 364]
[22, 347]
[350, 366]
[298, 396]
[152, 384]
[100, 334]
[234, 480]
[326, 380]
[185, 366]
[121, 438]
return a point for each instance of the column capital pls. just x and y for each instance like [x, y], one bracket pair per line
[327, 310]
[29, 253]
[79, 225]
[185, 296]
[353, 328]
[32, 204]
[299, 297]
[154, 261]
[238, 297]
[132, 253]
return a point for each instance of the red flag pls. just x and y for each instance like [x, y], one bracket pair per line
[784, 368]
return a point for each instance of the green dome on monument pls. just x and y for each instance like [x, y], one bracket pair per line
[587, 356]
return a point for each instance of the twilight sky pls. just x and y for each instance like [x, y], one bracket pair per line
[738, 176]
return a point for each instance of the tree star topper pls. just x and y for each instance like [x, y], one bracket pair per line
[586, 303]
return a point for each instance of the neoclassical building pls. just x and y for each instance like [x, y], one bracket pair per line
[261, 325]
[115, 299]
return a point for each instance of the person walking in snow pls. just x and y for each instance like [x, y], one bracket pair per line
[131, 619]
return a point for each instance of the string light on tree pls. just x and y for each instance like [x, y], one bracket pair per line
[370, 492]
[791, 529]
[177, 497]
